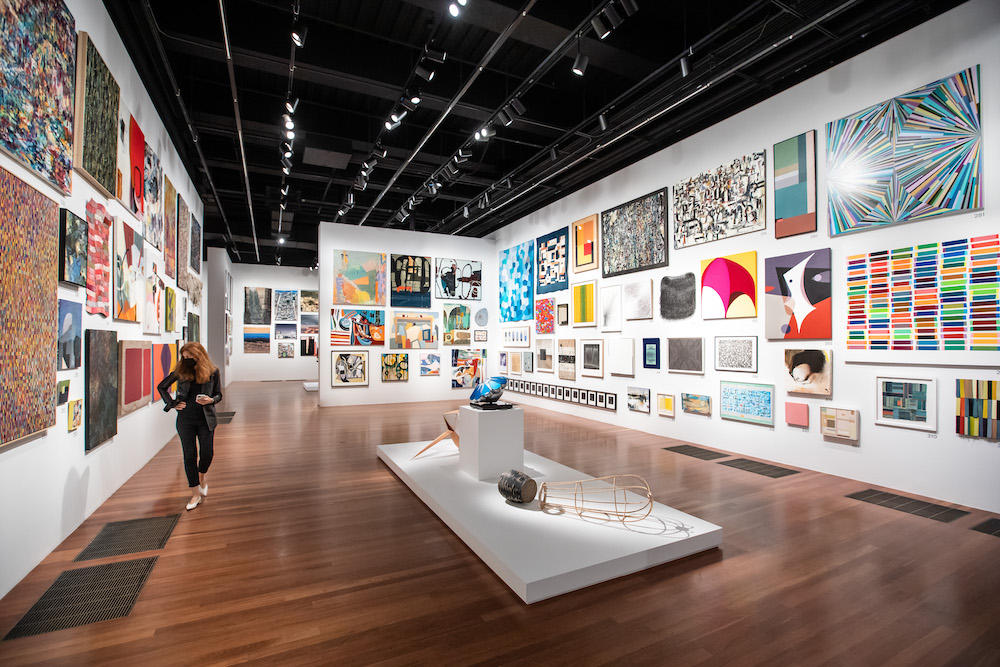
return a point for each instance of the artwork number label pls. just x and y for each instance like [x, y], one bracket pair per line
[981, 214]
[814, 236]
[932, 436]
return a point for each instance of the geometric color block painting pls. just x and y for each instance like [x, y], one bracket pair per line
[906, 402]
[38, 71]
[718, 204]
[516, 278]
[747, 402]
[411, 281]
[797, 296]
[839, 423]
[413, 330]
[795, 185]
[350, 326]
[936, 296]
[729, 286]
[797, 414]
[99, 260]
[349, 369]
[97, 100]
[553, 269]
[910, 158]
[634, 235]
[359, 277]
[102, 386]
[977, 409]
[29, 251]
[164, 360]
[135, 375]
[585, 244]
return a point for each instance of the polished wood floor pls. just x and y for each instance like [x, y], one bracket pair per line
[309, 551]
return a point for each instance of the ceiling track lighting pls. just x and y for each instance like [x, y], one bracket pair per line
[380, 151]
[580, 63]
[342, 212]
[282, 205]
[287, 171]
[414, 96]
[599, 27]
[686, 63]
[299, 35]
[454, 9]
[602, 120]
[518, 106]
[407, 104]
[390, 125]
[424, 73]
[291, 106]
[451, 170]
[435, 55]
[289, 135]
[284, 190]
[613, 17]
[504, 118]
[465, 211]
[397, 116]
[286, 149]
[553, 154]
[630, 7]
[289, 123]
[350, 199]
[369, 164]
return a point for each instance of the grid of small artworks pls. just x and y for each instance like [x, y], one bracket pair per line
[604, 400]
[937, 296]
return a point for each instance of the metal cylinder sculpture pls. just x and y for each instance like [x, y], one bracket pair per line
[517, 487]
[626, 498]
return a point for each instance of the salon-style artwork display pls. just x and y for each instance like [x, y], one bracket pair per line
[729, 286]
[809, 372]
[359, 278]
[349, 369]
[797, 291]
[517, 271]
[634, 235]
[721, 203]
[552, 253]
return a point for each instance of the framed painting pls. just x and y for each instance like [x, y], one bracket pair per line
[562, 314]
[169, 309]
[584, 304]
[183, 250]
[285, 331]
[611, 308]
[747, 402]
[977, 409]
[286, 350]
[413, 330]
[514, 363]
[256, 339]
[309, 301]
[839, 423]
[365, 328]
[194, 328]
[567, 358]
[135, 375]
[457, 321]
[677, 296]
[285, 305]
[430, 364]
[349, 369]
[638, 399]
[907, 402]
[797, 296]
[528, 361]
[479, 335]
[136, 182]
[504, 358]
[637, 300]
[517, 336]
[256, 305]
[74, 415]
[545, 322]
[164, 360]
[736, 353]
[309, 324]
[73, 237]
[458, 279]
[585, 257]
[650, 352]
[169, 228]
[130, 286]
[685, 355]
[97, 98]
[729, 286]
[797, 414]
[809, 372]
[665, 405]
[727, 201]
[396, 367]
[696, 404]
[70, 343]
[152, 222]
[795, 185]
[410, 281]
[468, 368]
[592, 357]
[552, 268]
[359, 278]
[517, 282]
[152, 320]
[545, 349]
[621, 356]
[634, 235]
[101, 373]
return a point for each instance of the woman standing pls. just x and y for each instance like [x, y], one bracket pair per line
[199, 388]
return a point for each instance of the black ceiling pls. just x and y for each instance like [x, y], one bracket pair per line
[360, 55]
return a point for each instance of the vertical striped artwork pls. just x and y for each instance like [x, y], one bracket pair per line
[795, 185]
[936, 296]
[914, 157]
[516, 282]
[585, 304]
[977, 408]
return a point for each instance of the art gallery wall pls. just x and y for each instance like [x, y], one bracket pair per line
[940, 465]
[334, 236]
[217, 268]
[48, 484]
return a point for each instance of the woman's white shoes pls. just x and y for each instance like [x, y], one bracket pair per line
[191, 505]
[203, 490]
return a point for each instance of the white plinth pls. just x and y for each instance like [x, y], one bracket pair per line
[540, 555]
[492, 441]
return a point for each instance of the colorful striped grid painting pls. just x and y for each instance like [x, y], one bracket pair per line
[977, 408]
[937, 296]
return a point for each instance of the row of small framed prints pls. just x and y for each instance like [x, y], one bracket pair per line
[604, 400]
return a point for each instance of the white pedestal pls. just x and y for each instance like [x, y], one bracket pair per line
[492, 442]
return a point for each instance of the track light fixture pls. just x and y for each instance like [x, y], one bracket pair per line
[285, 162]
[369, 164]
[613, 17]
[451, 170]
[281, 239]
[407, 104]
[289, 123]
[291, 106]
[553, 154]
[286, 171]
[630, 7]
[282, 205]
[454, 9]
[284, 190]
[286, 150]
[398, 116]
[686, 63]
[581, 60]
[602, 120]
[390, 125]
[289, 135]
[504, 118]
[424, 73]
[380, 151]
[350, 199]
[342, 212]
[518, 106]
[432, 189]
[434, 54]
[414, 96]
[462, 156]
[465, 211]
[299, 35]
[599, 27]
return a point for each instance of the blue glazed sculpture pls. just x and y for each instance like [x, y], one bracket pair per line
[489, 391]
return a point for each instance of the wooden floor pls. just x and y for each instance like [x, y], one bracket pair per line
[309, 551]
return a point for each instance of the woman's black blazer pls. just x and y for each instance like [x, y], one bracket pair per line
[215, 391]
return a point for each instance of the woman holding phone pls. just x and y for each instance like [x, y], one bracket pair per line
[199, 388]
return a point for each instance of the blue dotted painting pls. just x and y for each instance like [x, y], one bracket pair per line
[516, 279]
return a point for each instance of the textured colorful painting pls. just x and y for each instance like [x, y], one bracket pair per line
[97, 100]
[637, 300]
[797, 414]
[678, 296]
[696, 404]
[286, 350]
[553, 263]
[153, 303]
[413, 330]
[195, 263]
[914, 157]
[256, 305]
[101, 373]
[545, 351]
[38, 73]
[286, 305]
[795, 185]
[567, 358]
[839, 423]
[309, 324]
[288, 331]
[977, 408]
[98, 259]
[736, 353]
[73, 241]
[410, 281]
[685, 355]
[135, 375]
[584, 304]
[350, 326]
[621, 356]
[359, 278]
[457, 320]
[29, 260]
[70, 345]
[638, 399]
[170, 309]
[545, 320]
[74, 415]
[130, 285]
[797, 291]
[665, 405]
[611, 308]
[183, 243]
[169, 228]
[809, 372]
[936, 296]
[430, 364]
[395, 367]
[747, 402]
[164, 360]
[458, 279]
[516, 280]
[719, 204]
[309, 301]
[152, 221]
[350, 369]
[634, 235]
[468, 368]
[906, 402]
[585, 257]
[729, 286]
[256, 339]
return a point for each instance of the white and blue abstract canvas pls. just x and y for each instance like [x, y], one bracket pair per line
[553, 274]
[516, 280]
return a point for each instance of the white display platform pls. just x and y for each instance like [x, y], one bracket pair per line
[492, 441]
[542, 555]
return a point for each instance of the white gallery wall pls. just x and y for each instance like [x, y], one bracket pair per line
[218, 270]
[942, 464]
[48, 483]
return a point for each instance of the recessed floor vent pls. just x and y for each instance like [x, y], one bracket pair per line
[908, 505]
[697, 452]
[990, 527]
[765, 469]
[130, 537]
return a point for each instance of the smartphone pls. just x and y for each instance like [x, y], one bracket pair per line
[202, 396]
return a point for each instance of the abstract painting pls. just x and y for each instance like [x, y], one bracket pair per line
[194, 328]
[719, 204]
[195, 245]
[468, 368]
[516, 279]
[256, 339]
[797, 414]
[503, 356]
[38, 70]
[729, 286]
[677, 296]
[309, 324]
[562, 314]
[611, 307]
[183, 242]
[73, 240]
[567, 358]
[350, 369]
[349, 326]
[839, 423]
[286, 305]
[169, 228]
[638, 399]
[410, 281]
[637, 300]
[458, 279]
[62, 392]
[747, 402]
[153, 301]
[515, 363]
[914, 157]
[430, 364]
[70, 345]
[545, 350]
[135, 375]
[457, 320]
[797, 291]
[809, 372]
[97, 99]
[307, 346]
[584, 306]
[101, 375]
[665, 405]
[685, 355]
[170, 309]
[309, 301]
[621, 356]
[585, 257]
[29, 260]
[74, 416]
[650, 352]
[696, 404]
[592, 357]
[634, 235]
[98, 259]
[906, 402]
[553, 263]
[285, 331]
[517, 337]
[123, 160]
[795, 185]
[130, 285]
[286, 350]
[256, 305]
[359, 278]
[937, 296]
[137, 167]
[396, 367]
[545, 319]
[736, 353]
[152, 222]
[977, 408]
[164, 360]
[413, 330]
[528, 359]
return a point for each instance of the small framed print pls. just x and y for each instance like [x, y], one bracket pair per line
[665, 405]
[736, 353]
[576, 395]
[650, 352]
[601, 398]
[592, 357]
[592, 398]
[503, 362]
[519, 336]
[567, 395]
[559, 393]
[479, 335]
[562, 314]
[545, 391]
[907, 403]
[612, 401]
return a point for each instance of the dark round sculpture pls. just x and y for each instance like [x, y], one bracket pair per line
[517, 487]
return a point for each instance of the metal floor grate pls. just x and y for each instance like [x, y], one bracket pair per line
[130, 537]
[697, 452]
[990, 527]
[765, 469]
[86, 595]
[225, 417]
[908, 505]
